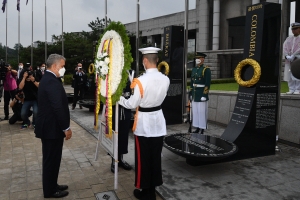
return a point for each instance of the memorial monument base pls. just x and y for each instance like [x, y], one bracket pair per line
[199, 149]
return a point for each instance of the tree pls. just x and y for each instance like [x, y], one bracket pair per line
[77, 48]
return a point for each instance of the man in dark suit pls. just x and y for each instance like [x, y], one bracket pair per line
[40, 72]
[80, 80]
[53, 124]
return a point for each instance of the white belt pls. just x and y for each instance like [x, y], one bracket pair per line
[198, 85]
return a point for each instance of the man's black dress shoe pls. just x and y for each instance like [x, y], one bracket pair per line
[62, 187]
[112, 167]
[58, 194]
[196, 131]
[139, 194]
[124, 165]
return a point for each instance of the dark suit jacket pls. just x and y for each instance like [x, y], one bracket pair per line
[38, 75]
[53, 111]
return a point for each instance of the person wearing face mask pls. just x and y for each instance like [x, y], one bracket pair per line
[53, 125]
[10, 88]
[200, 84]
[291, 51]
[30, 88]
[19, 73]
[40, 72]
[80, 80]
[149, 92]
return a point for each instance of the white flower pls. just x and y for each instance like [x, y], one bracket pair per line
[106, 60]
[104, 70]
[104, 54]
[101, 63]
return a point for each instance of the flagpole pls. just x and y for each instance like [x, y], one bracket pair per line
[31, 62]
[6, 33]
[19, 35]
[45, 31]
[137, 36]
[105, 13]
[186, 33]
[62, 29]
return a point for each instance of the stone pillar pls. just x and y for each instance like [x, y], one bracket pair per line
[202, 7]
[216, 25]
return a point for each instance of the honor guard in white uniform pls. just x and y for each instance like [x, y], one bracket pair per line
[149, 92]
[200, 84]
[291, 51]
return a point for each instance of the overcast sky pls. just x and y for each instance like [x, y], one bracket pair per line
[76, 16]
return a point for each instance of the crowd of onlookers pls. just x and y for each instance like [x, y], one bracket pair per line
[20, 89]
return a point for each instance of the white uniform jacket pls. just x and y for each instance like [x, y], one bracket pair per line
[291, 46]
[155, 86]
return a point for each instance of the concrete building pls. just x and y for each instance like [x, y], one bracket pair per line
[215, 27]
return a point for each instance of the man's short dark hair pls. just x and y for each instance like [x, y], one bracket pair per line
[54, 58]
[152, 57]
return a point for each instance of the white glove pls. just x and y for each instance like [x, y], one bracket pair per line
[130, 76]
[203, 99]
[292, 58]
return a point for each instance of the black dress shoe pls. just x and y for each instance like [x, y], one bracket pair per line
[6, 117]
[196, 131]
[112, 168]
[202, 131]
[124, 165]
[140, 194]
[58, 194]
[62, 187]
[152, 193]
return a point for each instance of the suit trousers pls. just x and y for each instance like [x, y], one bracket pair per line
[8, 95]
[52, 153]
[78, 94]
[124, 128]
[148, 172]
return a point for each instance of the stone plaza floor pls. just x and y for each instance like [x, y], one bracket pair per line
[264, 178]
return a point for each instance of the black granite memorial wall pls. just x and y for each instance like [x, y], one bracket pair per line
[253, 123]
[173, 54]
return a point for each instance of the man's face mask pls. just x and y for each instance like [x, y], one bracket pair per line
[198, 61]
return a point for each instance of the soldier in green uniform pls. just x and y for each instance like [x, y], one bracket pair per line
[200, 84]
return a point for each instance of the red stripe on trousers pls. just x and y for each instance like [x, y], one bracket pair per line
[138, 152]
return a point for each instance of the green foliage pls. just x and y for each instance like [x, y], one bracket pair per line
[229, 84]
[120, 29]
[223, 80]
[97, 27]
[190, 56]
[68, 79]
[12, 56]
[226, 86]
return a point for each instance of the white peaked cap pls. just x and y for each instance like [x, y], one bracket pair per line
[149, 50]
